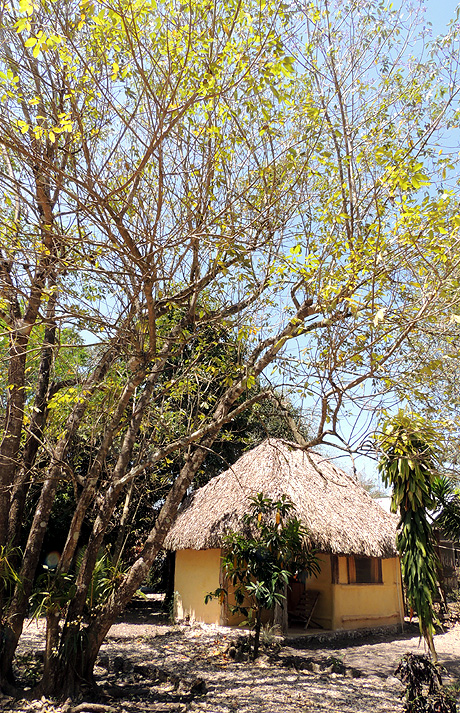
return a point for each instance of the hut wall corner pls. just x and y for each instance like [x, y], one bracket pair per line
[196, 574]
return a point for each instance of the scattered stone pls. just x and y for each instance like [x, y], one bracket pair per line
[127, 666]
[153, 673]
[393, 681]
[103, 661]
[198, 687]
[67, 705]
[117, 664]
[354, 673]
[263, 661]
[335, 665]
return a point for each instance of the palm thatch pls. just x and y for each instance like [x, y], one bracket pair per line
[339, 514]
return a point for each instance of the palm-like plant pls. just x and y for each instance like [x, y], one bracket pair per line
[448, 499]
[408, 464]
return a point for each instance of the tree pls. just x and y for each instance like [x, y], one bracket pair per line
[259, 561]
[382, 187]
[103, 129]
[447, 497]
[408, 465]
[371, 486]
[430, 386]
[273, 417]
[166, 172]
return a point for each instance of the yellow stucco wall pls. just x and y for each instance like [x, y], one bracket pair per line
[322, 583]
[197, 574]
[357, 606]
[340, 606]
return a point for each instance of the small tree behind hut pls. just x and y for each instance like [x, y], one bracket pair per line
[447, 496]
[260, 560]
[408, 465]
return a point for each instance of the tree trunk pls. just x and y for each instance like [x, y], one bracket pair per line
[69, 675]
[257, 628]
[17, 609]
[37, 423]
[120, 541]
[280, 615]
[51, 648]
[9, 447]
[440, 572]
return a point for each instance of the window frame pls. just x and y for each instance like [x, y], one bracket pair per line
[356, 574]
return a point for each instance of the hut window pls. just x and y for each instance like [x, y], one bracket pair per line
[364, 570]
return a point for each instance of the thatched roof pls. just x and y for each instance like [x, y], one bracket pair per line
[340, 515]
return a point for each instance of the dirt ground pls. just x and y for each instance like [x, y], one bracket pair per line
[148, 665]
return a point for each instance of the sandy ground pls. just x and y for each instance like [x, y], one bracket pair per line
[148, 666]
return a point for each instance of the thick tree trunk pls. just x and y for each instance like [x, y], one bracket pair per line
[17, 609]
[257, 629]
[280, 614]
[14, 417]
[67, 676]
[23, 321]
[37, 423]
[97, 631]
[9, 452]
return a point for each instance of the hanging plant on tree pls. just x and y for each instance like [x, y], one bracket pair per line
[408, 466]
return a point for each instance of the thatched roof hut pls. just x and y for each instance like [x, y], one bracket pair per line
[339, 514]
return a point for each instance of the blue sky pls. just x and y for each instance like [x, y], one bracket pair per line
[439, 12]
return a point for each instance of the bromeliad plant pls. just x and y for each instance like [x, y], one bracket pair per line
[259, 562]
[54, 590]
[408, 465]
[9, 577]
